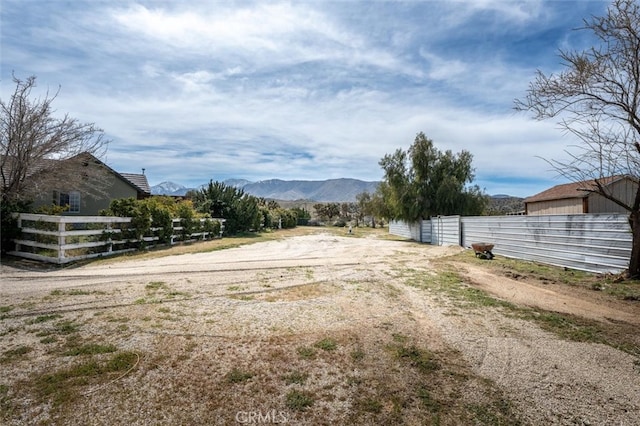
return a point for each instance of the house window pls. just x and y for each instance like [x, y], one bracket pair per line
[71, 199]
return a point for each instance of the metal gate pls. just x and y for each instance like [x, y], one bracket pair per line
[446, 231]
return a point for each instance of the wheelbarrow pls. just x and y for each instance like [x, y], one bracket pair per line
[483, 250]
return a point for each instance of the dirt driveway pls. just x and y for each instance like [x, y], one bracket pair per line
[313, 329]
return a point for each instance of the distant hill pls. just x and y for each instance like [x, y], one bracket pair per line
[168, 188]
[505, 204]
[331, 190]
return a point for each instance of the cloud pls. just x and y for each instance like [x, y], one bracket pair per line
[296, 90]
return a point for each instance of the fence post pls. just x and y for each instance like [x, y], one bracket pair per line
[62, 227]
[110, 240]
[20, 228]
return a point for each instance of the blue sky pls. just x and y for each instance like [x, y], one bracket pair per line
[310, 90]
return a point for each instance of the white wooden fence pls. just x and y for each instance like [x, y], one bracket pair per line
[64, 239]
[598, 243]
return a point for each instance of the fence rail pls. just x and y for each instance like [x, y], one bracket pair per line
[48, 238]
[598, 243]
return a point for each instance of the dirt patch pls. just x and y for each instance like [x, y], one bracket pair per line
[551, 297]
[312, 329]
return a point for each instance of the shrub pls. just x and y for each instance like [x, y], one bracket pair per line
[8, 224]
[187, 220]
[213, 227]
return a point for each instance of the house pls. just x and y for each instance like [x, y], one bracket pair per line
[79, 197]
[574, 198]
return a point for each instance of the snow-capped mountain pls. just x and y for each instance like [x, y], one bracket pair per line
[331, 190]
[169, 188]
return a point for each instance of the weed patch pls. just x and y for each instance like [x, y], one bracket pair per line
[422, 359]
[306, 352]
[427, 400]
[295, 377]
[238, 376]
[61, 387]
[66, 327]
[487, 414]
[4, 310]
[44, 318]
[298, 400]
[369, 405]
[155, 286]
[357, 355]
[15, 354]
[90, 349]
[326, 344]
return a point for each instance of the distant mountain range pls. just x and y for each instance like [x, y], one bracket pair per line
[331, 190]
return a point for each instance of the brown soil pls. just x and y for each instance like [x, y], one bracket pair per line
[315, 329]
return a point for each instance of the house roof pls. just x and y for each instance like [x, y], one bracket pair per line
[138, 180]
[570, 190]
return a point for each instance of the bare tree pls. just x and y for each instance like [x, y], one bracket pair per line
[40, 153]
[597, 99]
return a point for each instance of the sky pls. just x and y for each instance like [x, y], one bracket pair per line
[194, 91]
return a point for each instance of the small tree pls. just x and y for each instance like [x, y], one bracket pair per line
[241, 211]
[597, 99]
[303, 216]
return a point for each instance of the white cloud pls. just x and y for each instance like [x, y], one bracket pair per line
[297, 90]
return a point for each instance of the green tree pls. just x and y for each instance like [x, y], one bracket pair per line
[597, 99]
[302, 215]
[241, 211]
[327, 210]
[332, 210]
[140, 215]
[188, 221]
[162, 210]
[424, 182]
[320, 210]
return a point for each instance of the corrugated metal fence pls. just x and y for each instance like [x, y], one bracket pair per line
[410, 231]
[590, 242]
[445, 230]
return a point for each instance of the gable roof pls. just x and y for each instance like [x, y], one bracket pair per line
[571, 190]
[138, 180]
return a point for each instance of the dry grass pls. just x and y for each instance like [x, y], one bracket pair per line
[315, 344]
[188, 360]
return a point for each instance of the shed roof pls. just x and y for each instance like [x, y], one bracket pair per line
[571, 190]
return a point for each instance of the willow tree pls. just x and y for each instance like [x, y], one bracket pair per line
[424, 182]
[597, 98]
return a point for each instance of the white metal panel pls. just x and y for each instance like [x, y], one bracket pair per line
[426, 234]
[445, 230]
[590, 242]
[410, 231]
